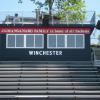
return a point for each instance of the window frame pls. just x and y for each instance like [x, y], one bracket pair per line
[23, 41]
[48, 41]
[64, 41]
[67, 41]
[26, 42]
[7, 36]
[66, 47]
[34, 41]
[42, 41]
[7, 41]
[83, 36]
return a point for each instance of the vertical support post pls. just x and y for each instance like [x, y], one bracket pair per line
[38, 16]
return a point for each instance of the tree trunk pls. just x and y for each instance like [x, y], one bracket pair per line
[50, 12]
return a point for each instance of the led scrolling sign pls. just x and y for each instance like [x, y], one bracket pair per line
[33, 30]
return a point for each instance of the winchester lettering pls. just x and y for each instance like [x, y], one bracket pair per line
[43, 53]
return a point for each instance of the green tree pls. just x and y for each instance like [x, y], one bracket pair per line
[49, 3]
[72, 10]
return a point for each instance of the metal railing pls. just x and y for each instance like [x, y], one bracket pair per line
[36, 17]
[96, 56]
[84, 17]
[95, 42]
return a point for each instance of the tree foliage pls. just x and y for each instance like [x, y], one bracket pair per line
[72, 10]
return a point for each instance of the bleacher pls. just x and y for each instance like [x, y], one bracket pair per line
[49, 81]
[96, 52]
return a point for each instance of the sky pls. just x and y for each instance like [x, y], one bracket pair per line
[93, 5]
[27, 5]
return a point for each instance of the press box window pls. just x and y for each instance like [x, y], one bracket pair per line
[51, 41]
[19, 41]
[70, 41]
[35, 41]
[79, 41]
[25, 41]
[39, 41]
[65, 41]
[29, 41]
[56, 41]
[60, 41]
[10, 41]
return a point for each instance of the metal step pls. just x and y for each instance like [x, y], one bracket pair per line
[50, 87]
[47, 69]
[49, 76]
[92, 97]
[52, 92]
[52, 81]
[48, 72]
[49, 83]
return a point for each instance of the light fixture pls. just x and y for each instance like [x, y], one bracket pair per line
[20, 1]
